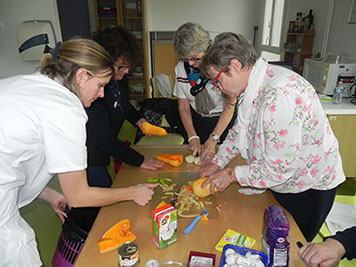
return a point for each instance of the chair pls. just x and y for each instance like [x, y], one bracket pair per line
[161, 86]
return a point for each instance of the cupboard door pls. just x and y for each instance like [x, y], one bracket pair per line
[344, 128]
[131, 15]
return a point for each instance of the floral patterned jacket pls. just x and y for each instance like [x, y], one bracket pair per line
[289, 142]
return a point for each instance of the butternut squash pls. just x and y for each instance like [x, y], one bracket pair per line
[116, 236]
[148, 128]
[201, 192]
[174, 160]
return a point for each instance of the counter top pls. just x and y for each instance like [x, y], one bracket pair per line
[345, 108]
[241, 213]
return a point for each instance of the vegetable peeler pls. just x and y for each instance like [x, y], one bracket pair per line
[194, 222]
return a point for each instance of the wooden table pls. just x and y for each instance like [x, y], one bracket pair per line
[243, 214]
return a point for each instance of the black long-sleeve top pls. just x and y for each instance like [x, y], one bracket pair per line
[348, 239]
[106, 116]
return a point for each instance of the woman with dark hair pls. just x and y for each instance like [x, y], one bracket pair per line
[106, 116]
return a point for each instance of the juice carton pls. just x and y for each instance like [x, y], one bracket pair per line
[164, 226]
[234, 238]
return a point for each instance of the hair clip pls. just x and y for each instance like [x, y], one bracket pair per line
[53, 51]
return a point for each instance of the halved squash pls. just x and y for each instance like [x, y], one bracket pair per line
[148, 128]
[116, 236]
[174, 160]
[107, 244]
[201, 192]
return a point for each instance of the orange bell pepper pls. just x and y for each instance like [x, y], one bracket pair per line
[174, 160]
[148, 128]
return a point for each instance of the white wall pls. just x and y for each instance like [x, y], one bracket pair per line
[342, 37]
[12, 14]
[216, 16]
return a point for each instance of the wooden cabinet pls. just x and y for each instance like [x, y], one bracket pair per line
[164, 59]
[131, 15]
[297, 48]
[344, 128]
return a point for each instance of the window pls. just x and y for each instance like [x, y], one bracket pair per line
[272, 26]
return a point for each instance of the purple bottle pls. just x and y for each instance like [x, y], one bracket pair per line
[275, 239]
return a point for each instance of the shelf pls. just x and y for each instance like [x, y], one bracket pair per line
[298, 53]
[133, 18]
[307, 33]
[107, 17]
[298, 47]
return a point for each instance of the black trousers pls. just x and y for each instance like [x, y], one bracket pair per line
[309, 209]
[84, 217]
[204, 126]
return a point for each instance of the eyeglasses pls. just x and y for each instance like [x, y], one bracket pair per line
[216, 79]
[194, 59]
[122, 68]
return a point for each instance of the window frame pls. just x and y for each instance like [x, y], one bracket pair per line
[269, 48]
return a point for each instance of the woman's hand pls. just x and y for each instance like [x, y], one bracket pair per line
[143, 193]
[326, 254]
[57, 201]
[58, 205]
[194, 146]
[139, 123]
[208, 169]
[221, 180]
[151, 164]
[208, 151]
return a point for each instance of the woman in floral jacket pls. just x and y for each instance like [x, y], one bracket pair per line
[281, 131]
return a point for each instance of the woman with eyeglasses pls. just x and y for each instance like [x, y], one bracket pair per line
[106, 117]
[206, 113]
[42, 133]
[281, 131]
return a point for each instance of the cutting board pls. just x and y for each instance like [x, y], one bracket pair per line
[184, 178]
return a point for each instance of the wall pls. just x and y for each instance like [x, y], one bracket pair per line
[239, 16]
[320, 12]
[12, 14]
[340, 37]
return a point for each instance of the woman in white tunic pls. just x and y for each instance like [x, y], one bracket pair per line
[42, 133]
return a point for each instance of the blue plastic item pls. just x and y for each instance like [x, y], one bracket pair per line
[242, 251]
[194, 222]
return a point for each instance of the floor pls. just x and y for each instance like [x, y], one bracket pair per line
[47, 225]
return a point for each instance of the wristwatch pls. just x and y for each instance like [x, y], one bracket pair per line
[215, 137]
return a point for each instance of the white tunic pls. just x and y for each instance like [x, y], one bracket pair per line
[42, 132]
[182, 90]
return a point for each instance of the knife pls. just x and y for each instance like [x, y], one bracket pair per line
[175, 197]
